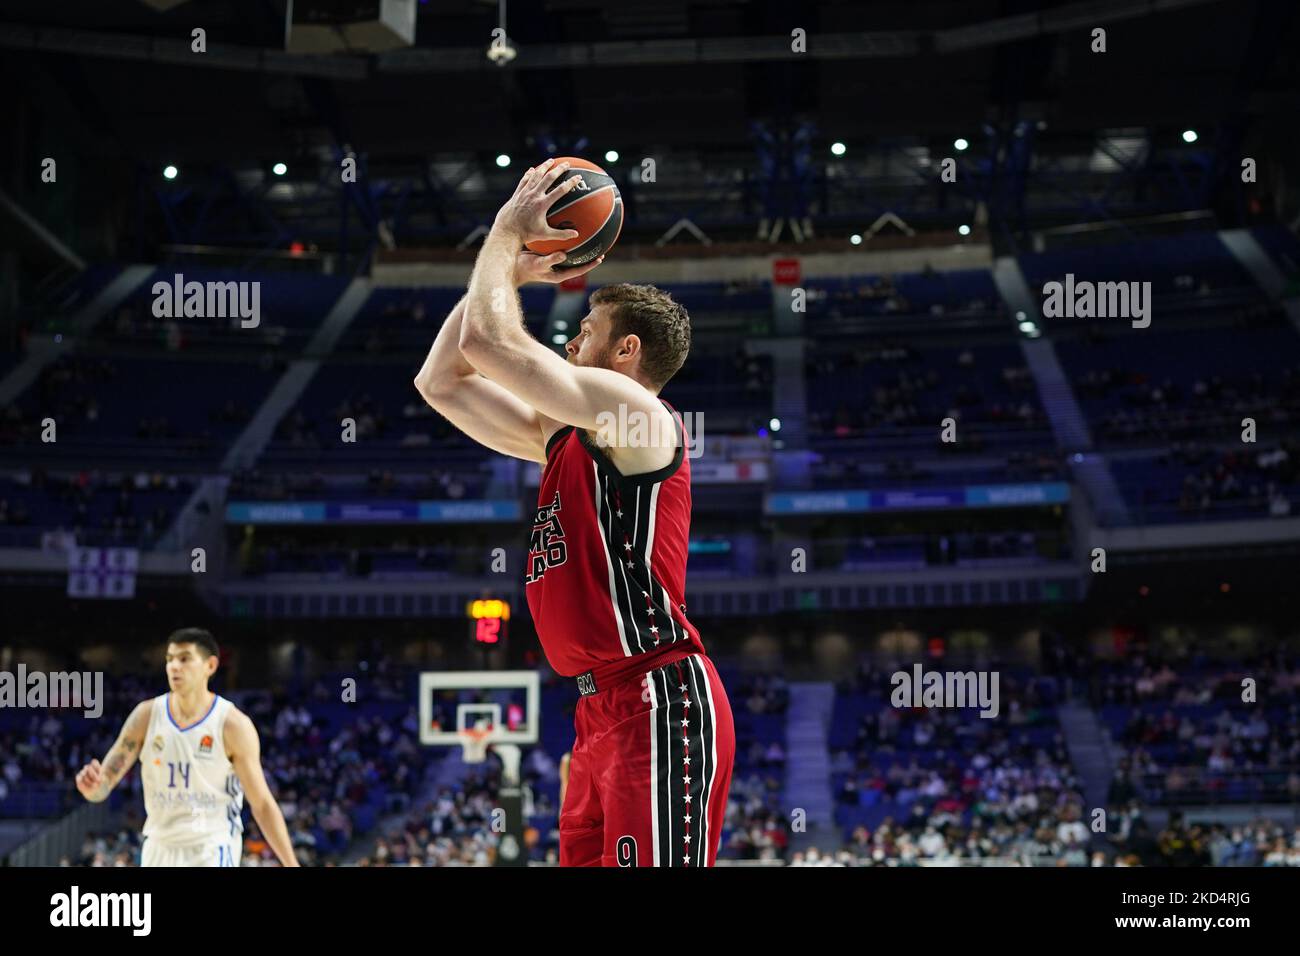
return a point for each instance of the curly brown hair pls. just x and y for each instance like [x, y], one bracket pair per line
[660, 323]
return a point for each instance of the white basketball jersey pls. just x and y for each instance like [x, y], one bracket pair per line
[191, 792]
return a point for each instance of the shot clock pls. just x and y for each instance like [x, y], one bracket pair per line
[488, 619]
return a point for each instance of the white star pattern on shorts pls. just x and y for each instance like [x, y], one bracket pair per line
[686, 770]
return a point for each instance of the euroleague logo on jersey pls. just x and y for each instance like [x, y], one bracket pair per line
[546, 547]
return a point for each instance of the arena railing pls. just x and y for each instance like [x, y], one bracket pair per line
[1206, 786]
[63, 838]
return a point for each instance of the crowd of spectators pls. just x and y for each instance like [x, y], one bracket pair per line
[66, 390]
[957, 787]
[399, 323]
[756, 825]
[954, 789]
[916, 394]
[411, 423]
[456, 827]
[1202, 742]
[1133, 840]
[135, 325]
[880, 295]
[1255, 479]
[143, 503]
[1208, 407]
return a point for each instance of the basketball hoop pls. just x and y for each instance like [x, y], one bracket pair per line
[474, 742]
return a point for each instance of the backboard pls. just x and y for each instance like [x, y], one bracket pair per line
[506, 702]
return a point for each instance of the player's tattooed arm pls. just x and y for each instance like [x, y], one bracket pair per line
[96, 781]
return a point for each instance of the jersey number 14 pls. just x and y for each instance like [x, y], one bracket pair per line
[183, 769]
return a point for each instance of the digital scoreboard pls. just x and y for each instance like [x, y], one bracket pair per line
[488, 619]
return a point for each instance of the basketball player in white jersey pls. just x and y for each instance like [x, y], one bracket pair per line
[199, 755]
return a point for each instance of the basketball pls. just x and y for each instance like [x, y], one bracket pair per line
[594, 208]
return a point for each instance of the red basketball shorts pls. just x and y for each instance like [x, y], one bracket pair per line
[650, 770]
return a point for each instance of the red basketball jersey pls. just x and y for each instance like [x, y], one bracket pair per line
[606, 575]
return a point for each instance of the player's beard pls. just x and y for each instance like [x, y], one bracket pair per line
[601, 359]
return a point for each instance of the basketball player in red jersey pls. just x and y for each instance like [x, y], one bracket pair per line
[651, 765]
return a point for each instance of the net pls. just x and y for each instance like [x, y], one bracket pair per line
[475, 744]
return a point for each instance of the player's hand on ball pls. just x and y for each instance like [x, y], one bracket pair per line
[524, 214]
[530, 267]
[89, 778]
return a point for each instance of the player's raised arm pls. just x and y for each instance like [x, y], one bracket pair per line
[245, 751]
[96, 781]
[481, 408]
[494, 341]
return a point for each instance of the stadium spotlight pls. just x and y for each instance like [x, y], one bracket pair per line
[169, 172]
[775, 424]
[1189, 136]
[838, 149]
[611, 156]
[279, 169]
[855, 239]
[503, 160]
[559, 339]
[959, 143]
[561, 325]
[963, 229]
[1027, 326]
